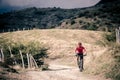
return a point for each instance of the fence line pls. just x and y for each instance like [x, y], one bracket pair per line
[32, 64]
[12, 30]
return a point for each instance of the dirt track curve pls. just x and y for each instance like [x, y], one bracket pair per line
[60, 72]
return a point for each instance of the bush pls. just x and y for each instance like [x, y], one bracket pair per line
[114, 73]
[114, 49]
[81, 22]
[73, 22]
[111, 37]
[90, 26]
[33, 48]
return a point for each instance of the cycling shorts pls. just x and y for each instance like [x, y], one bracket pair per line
[80, 55]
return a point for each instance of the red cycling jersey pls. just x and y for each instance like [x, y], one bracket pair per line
[80, 49]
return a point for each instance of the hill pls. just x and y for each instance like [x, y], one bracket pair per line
[35, 18]
[56, 39]
[101, 16]
[62, 43]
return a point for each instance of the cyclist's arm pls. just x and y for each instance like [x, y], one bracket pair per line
[85, 52]
[76, 51]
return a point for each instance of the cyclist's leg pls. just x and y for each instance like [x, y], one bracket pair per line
[81, 58]
[82, 64]
[78, 58]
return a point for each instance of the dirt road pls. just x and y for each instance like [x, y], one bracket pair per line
[60, 72]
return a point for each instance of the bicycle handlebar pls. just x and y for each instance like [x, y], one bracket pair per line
[81, 55]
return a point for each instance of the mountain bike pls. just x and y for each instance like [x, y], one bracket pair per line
[80, 61]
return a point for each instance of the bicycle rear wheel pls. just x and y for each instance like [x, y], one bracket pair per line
[80, 62]
[81, 65]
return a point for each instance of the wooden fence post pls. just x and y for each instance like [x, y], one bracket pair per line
[22, 59]
[118, 35]
[23, 29]
[32, 62]
[11, 55]
[116, 30]
[2, 55]
[8, 30]
[35, 63]
[3, 31]
[28, 59]
[18, 29]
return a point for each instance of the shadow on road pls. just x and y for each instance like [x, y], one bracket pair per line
[60, 69]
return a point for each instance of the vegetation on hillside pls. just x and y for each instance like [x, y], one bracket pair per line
[114, 73]
[109, 62]
[36, 17]
[114, 51]
[101, 16]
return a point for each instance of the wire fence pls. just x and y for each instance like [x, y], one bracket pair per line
[30, 59]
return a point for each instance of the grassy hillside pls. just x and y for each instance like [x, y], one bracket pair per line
[57, 39]
[101, 58]
[62, 43]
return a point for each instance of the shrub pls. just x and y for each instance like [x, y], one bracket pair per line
[90, 26]
[72, 22]
[114, 73]
[81, 22]
[81, 14]
[33, 48]
[114, 49]
[111, 37]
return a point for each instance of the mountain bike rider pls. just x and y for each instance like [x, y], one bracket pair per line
[80, 50]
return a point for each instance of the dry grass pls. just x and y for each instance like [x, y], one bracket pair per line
[62, 43]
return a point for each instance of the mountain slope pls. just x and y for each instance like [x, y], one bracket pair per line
[105, 14]
[36, 17]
